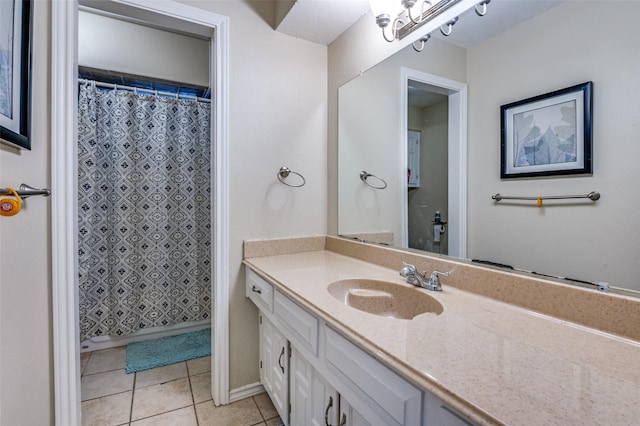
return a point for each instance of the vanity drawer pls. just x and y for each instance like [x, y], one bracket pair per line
[301, 325]
[259, 291]
[394, 396]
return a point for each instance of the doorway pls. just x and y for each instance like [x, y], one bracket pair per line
[434, 115]
[427, 156]
[177, 17]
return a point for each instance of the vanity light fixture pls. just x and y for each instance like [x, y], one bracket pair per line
[425, 38]
[404, 22]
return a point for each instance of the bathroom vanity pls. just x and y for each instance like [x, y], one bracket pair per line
[336, 350]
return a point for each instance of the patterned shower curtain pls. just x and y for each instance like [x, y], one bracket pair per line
[144, 206]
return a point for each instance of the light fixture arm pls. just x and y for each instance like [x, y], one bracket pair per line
[383, 22]
[408, 5]
[425, 38]
[447, 28]
[481, 8]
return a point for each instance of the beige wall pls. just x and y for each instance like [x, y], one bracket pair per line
[115, 45]
[277, 117]
[26, 359]
[370, 134]
[596, 241]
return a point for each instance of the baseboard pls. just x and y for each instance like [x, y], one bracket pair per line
[245, 392]
[106, 342]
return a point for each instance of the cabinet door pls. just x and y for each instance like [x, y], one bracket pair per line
[274, 366]
[349, 416]
[313, 401]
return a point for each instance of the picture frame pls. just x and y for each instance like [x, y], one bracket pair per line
[548, 135]
[15, 73]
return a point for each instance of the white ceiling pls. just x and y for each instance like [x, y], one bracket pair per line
[322, 21]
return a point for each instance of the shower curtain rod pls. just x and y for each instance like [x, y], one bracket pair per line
[137, 89]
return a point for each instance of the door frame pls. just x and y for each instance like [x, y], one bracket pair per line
[64, 274]
[457, 153]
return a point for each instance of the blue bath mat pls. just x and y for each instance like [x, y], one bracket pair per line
[168, 350]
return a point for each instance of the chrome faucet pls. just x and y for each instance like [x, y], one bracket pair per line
[420, 279]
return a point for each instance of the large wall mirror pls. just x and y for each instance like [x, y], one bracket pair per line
[396, 124]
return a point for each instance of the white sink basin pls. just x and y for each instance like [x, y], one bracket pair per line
[384, 298]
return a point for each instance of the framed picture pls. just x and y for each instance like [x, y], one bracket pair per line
[547, 135]
[15, 76]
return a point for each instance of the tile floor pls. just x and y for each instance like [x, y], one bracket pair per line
[175, 395]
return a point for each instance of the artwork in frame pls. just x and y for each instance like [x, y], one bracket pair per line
[548, 134]
[15, 63]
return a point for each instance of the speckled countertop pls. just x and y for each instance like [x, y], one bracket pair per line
[493, 361]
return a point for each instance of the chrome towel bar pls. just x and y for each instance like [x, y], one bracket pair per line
[593, 196]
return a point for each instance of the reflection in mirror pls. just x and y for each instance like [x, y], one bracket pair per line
[427, 143]
[421, 150]
[559, 44]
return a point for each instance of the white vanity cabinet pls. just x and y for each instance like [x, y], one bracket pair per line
[349, 416]
[274, 365]
[313, 400]
[375, 394]
[437, 413]
[316, 376]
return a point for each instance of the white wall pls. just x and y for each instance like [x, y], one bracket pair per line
[26, 382]
[277, 118]
[370, 138]
[116, 45]
[570, 44]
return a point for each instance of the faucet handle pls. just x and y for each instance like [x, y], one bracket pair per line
[408, 267]
[434, 281]
[435, 274]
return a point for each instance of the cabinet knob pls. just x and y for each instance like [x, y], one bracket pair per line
[326, 411]
[280, 360]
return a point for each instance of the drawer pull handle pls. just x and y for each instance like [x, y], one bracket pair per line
[326, 411]
[280, 360]
[256, 290]
[343, 422]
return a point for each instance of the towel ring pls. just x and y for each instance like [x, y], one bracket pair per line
[364, 175]
[284, 172]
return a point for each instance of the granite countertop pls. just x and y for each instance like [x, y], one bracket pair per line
[496, 362]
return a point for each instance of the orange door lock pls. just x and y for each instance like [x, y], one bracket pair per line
[9, 206]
